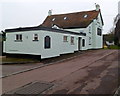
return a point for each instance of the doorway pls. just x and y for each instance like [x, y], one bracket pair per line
[79, 43]
[47, 41]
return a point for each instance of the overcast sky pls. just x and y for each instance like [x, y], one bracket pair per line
[24, 13]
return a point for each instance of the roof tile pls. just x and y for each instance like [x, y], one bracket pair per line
[72, 20]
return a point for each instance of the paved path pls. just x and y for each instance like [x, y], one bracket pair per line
[73, 75]
[9, 69]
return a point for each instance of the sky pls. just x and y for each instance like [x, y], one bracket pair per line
[25, 13]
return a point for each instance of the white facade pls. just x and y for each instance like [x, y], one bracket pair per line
[62, 41]
[94, 41]
[28, 46]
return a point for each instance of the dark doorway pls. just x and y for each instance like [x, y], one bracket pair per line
[47, 43]
[83, 42]
[79, 43]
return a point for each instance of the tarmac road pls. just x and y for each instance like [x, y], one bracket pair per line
[94, 72]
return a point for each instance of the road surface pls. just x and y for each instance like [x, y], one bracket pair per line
[94, 72]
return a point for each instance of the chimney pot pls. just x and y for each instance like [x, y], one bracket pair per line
[97, 7]
[49, 12]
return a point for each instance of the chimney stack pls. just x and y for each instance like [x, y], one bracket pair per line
[49, 12]
[97, 7]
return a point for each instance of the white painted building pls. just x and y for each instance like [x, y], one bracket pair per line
[119, 7]
[59, 34]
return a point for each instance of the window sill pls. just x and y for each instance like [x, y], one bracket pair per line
[72, 44]
[18, 40]
[47, 48]
[35, 40]
[65, 41]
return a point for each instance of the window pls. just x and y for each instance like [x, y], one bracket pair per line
[85, 16]
[18, 37]
[53, 19]
[65, 38]
[99, 32]
[83, 42]
[65, 18]
[55, 26]
[35, 37]
[89, 40]
[47, 42]
[72, 40]
[89, 29]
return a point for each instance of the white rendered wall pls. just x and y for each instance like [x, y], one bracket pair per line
[83, 30]
[28, 46]
[96, 41]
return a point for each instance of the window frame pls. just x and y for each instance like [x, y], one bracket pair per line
[99, 31]
[45, 42]
[90, 40]
[65, 38]
[18, 38]
[37, 36]
[72, 40]
[83, 42]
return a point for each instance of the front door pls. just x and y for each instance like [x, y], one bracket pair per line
[79, 43]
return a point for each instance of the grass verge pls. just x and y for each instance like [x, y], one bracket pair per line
[112, 47]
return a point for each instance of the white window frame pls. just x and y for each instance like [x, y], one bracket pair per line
[72, 40]
[18, 37]
[65, 40]
[90, 40]
[35, 36]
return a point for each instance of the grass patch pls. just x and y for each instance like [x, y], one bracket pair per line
[17, 60]
[112, 47]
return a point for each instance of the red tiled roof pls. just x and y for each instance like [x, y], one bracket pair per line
[71, 20]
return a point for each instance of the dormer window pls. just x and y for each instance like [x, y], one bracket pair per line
[55, 26]
[65, 18]
[85, 16]
[53, 19]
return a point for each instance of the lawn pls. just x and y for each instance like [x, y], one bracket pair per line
[112, 47]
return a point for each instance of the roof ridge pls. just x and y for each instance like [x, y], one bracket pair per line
[74, 13]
